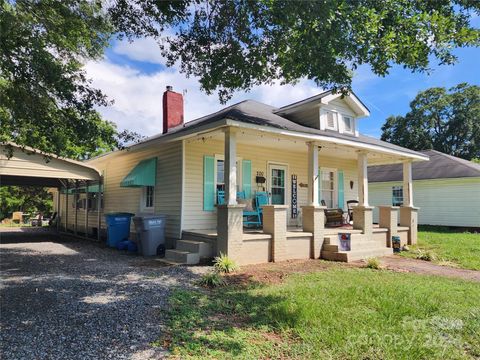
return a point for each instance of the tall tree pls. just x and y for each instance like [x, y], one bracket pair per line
[235, 44]
[46, 100]
[440, 119]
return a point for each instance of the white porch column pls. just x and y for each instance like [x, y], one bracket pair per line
[230, 166]
[313, 177]
[362, 164]
[407, 184]
[409, 213]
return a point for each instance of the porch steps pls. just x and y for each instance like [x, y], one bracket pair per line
[189, 252]
[354, 255]
[182, 257]
[202, 248]
[361, 248]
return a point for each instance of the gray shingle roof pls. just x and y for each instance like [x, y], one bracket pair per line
[254, 112]
[440, 166]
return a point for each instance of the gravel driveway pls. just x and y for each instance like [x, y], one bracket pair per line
[79, 300]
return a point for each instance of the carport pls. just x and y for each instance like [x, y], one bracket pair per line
[24, 166]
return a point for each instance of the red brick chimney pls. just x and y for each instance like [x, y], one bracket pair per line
[172, 109]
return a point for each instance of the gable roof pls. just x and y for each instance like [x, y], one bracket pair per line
[256, 113]
[440, 166]
[329, 95]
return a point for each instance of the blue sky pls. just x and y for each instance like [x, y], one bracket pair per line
[134, 76]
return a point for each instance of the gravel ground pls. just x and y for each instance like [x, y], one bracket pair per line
[73, 299]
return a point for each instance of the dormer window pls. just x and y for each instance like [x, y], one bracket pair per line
[348, 126]
[331, 123]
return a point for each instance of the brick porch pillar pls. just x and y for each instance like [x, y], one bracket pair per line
[275, 224]
[388, 218]
[230, 230]
[313, 220]
[409, 218]
[363, 219]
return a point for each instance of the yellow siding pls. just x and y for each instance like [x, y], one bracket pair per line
[196, 218]
[450, 202]
[168, 189]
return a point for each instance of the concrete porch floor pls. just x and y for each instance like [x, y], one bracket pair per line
[248, 234]
[257, 234]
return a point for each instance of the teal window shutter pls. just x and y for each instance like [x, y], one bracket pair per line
[208, 183]
[341, 193]
[247, 178]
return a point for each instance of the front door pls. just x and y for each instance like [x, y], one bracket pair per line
[278, 184]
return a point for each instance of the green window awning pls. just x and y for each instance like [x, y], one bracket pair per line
[144, 174]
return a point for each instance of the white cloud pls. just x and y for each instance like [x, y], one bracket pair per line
[143, 49]
[138, 95]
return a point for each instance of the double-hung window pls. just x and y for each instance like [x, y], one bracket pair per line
[397, 195]
[328, 187]
[220, 173]
[148, 196]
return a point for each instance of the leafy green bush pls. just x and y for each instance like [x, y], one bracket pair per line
[373, 263]
[223, 264]
[425, 255]
[212, 279]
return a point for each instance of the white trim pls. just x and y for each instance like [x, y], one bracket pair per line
[322, 99]
[280, 165]
[351, 101]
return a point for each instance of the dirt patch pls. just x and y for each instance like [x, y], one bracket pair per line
[275, 273]
[401, 264]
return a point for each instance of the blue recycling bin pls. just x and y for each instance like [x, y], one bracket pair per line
[118, 227]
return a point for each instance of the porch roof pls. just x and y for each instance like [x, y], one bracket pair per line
[440, 166]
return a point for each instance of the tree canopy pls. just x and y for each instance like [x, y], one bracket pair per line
[28, 199]
[46, 100]
[440, 119]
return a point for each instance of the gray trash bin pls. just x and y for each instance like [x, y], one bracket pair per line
[150, 233]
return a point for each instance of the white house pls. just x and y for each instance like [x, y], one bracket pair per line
[446, 189]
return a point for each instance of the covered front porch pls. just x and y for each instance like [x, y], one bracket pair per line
[293, 222]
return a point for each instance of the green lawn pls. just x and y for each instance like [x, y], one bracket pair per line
[461, 249]
[340, 313]
[16, 225]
